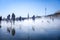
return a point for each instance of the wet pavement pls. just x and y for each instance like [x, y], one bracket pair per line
[40, 29]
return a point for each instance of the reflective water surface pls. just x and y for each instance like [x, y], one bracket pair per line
[40, 29]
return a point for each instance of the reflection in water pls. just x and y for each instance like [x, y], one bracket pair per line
[8, 29]
[48, 21]
[20, 27]
[42, 20]
[52, 19]
[33, 28]
[11, 30]
[0, 26]
[39, 29]
[13, 22]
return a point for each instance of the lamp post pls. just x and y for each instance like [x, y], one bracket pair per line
[45, 11]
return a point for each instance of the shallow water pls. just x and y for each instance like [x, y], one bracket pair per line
[40, 29]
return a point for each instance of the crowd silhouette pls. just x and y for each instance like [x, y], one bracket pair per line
[12, 18]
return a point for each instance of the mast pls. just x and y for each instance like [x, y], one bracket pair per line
[28, 15]
[45, 11]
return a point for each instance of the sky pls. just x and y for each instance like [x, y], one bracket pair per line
[33, 7]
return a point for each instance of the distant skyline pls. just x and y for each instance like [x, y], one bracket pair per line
[33, 7]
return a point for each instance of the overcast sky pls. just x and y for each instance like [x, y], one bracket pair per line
[33, 7]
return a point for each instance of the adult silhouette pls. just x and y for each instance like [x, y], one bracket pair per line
[13, 18]
[0, 20]
[33, 18]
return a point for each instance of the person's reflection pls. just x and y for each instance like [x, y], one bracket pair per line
[0, 25]
[48, 21]
[13, 22]
[8, 29]
[20, 26]
[52, 18]
[42, 21]
[11, 30]
[33, 28]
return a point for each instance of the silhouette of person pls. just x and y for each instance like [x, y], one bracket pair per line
[0, 20]
[8, 18]
[33, 18]
[13, 18]
[20, 18]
